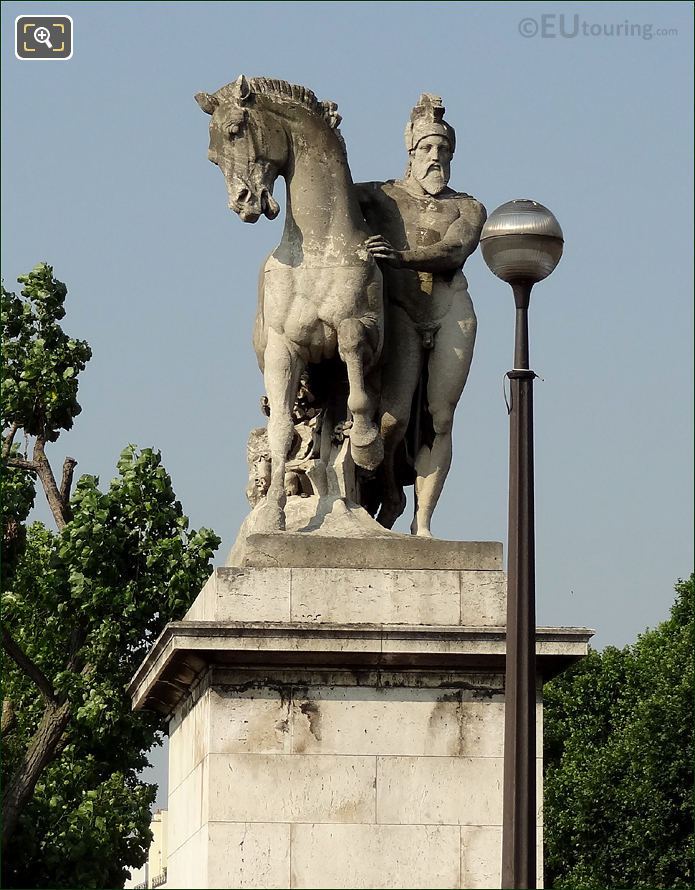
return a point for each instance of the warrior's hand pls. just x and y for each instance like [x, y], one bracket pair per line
[381, 249]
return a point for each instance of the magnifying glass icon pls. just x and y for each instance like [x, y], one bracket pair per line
[43, 35]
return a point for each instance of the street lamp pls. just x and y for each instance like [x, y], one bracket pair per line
[521, 243]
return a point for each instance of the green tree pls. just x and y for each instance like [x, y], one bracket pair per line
[81, 606]
[619, 762]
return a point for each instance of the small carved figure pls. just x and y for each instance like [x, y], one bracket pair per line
[303, 454]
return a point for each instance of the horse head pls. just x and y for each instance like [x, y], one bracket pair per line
[249, 145]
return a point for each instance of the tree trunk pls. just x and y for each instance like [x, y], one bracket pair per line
[41, 751]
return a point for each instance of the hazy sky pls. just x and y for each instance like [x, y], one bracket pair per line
[105, 176]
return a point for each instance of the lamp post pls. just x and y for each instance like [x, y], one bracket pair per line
[522, 243]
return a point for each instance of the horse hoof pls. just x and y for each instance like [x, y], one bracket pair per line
[368, 456]
[269, 518]
[390, 511]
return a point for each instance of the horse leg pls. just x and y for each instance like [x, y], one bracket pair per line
[282, 370]
[366, 446]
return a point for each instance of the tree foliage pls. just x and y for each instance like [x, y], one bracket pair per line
[81, 606]
[619, 762]
[41, 363]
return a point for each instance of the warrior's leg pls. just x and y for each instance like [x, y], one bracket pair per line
[400, 375]
[448, 368]
[282, 370]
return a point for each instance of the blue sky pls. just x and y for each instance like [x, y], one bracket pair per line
[105, 176]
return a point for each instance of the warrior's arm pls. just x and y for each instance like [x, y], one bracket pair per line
[447, 255]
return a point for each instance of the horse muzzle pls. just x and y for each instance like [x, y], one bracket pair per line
[251, 207]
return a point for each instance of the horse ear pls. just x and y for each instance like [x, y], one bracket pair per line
[243, 88]
[207, 102]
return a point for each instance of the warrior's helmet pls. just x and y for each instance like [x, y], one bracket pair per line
[427, 119]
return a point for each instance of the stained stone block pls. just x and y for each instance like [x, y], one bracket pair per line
[401, 721]
[251, 721]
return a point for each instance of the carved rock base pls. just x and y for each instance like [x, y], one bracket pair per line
[335, 726]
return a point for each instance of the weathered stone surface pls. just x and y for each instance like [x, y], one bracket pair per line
[233, 594]
[330, 516]
[189, 737]
[188, 806]
[484, 598]
[187, 865]
[248, 854]
[408, 763]
[401, 721]
[291, 788]
[481, 856]
[393, 552]
[160, 682]
[354, 596]
[439, 790]
[342, 596]
[252, 720]
[229, 854]
[320, 752]
[375, 856]
[444, 790]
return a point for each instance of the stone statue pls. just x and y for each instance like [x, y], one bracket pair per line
[320, 294]
[346, 423]
[425, 231]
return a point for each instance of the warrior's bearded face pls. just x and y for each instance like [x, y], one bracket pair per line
[430, 163]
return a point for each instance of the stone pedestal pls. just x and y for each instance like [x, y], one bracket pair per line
[341, 726]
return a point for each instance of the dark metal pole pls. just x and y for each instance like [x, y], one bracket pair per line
[519, 813]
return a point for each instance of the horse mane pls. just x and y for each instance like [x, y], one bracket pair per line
[294, 93]
[284, 90]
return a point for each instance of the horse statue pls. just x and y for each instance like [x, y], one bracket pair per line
[320, 293]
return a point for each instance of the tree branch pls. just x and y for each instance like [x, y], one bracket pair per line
[32, 670]
[22, 464]
[69, 465]
[59, 508]
[8, 440]
[9, 718]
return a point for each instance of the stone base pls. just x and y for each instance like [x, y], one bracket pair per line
[338, 778]
[341, 727]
